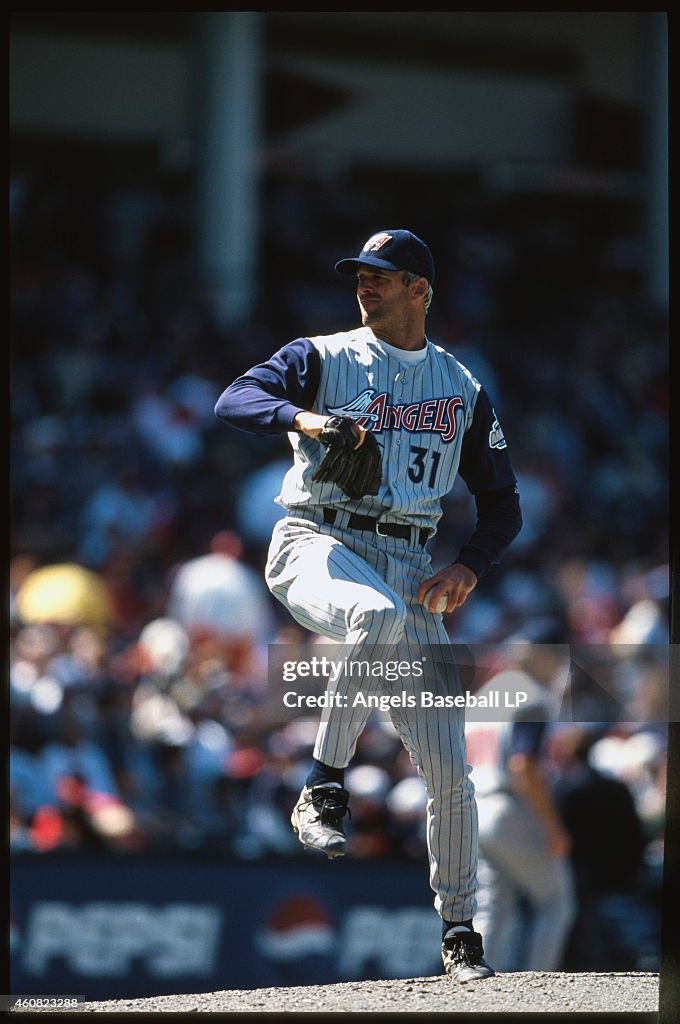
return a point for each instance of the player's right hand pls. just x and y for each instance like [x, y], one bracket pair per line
[456, 581]
[312, 423]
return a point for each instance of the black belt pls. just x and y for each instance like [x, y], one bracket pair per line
[357, 522]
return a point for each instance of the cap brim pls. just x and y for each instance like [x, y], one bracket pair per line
[349, 266]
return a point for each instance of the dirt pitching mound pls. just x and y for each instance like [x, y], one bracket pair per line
[530, 992]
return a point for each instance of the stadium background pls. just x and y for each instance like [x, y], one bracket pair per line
[180, 186]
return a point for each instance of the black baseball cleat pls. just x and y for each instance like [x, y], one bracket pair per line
[317, 818]
[463, 955]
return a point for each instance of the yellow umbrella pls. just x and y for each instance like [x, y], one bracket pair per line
[65, 594]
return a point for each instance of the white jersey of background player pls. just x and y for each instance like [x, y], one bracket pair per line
[358, 571]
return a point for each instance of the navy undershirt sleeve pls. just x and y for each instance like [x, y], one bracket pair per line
[484, 466]
[267, 398]
[488, 474]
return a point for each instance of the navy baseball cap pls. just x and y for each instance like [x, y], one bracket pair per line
[393, 249]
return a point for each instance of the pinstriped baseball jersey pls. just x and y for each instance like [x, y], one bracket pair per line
[429, 414]
[418, 404]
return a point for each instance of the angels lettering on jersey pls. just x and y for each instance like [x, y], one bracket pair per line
[373, 411]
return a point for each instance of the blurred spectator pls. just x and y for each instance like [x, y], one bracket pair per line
[616, 928]
[369, 834]
[258, 492]
[65, 792]
[405, 804]
[170, 426]
[120, 513]
[635, 755]
[219, 595]
[71, 753]
[646, 619]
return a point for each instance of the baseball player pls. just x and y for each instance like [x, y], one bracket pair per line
[381, 421]
[526, 897]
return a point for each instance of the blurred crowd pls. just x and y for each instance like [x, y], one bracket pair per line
[139, 711]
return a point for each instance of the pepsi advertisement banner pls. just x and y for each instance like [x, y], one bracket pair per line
[111, 928]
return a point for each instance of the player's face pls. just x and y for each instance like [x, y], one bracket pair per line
[383, 297]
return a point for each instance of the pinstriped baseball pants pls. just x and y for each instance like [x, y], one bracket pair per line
[359, 589]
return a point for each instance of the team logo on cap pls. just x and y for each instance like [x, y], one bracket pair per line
[376, 242]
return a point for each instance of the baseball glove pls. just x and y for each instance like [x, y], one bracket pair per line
[357, 471]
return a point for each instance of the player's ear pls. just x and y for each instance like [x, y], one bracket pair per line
[420, 288]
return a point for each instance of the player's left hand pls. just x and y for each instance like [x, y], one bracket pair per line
[455, 583]
[353, 459]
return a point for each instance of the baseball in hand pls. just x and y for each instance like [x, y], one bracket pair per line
[440, 605]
